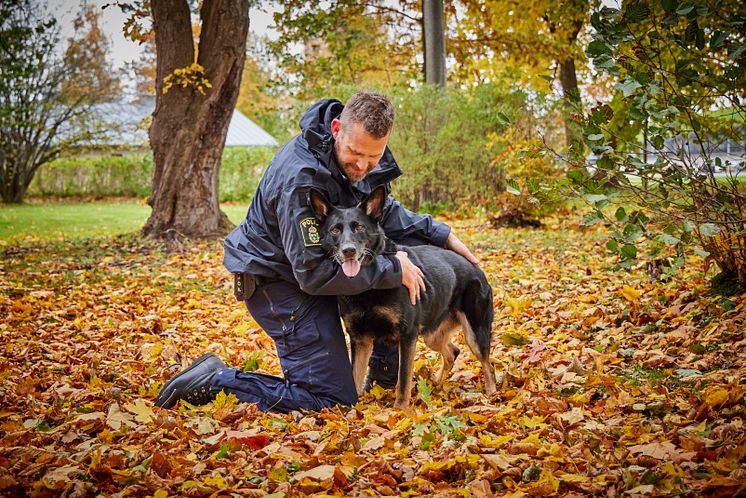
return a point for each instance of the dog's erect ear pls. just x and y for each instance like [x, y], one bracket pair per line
[319, 205]
[373, 205]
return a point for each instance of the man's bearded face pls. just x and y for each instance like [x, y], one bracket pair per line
[357, 151]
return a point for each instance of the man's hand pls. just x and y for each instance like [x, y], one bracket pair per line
[412, 277]
[454, 244]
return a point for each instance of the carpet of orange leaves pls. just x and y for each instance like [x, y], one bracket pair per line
[612, 384]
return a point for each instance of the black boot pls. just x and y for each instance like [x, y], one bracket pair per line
[193, 384]
[381, 375]
[383, 366]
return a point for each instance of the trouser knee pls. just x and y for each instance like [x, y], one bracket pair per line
[344, 399]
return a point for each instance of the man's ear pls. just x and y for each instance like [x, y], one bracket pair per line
[373, 205]
[336, 127]
[319, 205]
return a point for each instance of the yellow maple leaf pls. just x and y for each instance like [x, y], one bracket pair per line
[489, 442]
[224, 401]
[632, 295]
[404, 424]
[715, 395]
[534, 422]
[573, 477]
[242, 328]
[187, 485]
[531, 438]
[215, 481]
[548, 477]
[142, 412]
[516, 304]
[377, 392]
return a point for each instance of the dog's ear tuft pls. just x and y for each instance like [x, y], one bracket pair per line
[319, 205]
[373, 205]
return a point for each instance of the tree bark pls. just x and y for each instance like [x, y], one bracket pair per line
[571, 97]
[188, 131]
[434, 40]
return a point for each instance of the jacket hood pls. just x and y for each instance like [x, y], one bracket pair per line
[319, 117]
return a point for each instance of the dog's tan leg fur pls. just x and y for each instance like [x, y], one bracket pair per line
[362, 350]
[440, 341]
[490, 382]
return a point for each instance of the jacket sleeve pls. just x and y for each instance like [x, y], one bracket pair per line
[315, 272]
[400, 223]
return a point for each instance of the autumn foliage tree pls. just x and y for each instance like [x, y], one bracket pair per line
[46, 95]
[529, 41]
[86, 55]
[348, 43]
[196, 87]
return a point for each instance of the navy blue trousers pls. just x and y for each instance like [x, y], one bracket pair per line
[310, 343]
[307, 332]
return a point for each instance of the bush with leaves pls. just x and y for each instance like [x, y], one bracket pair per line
[530, 175]
[679, 68]
[440, 140]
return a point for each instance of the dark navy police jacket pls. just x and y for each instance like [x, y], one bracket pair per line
[279, 238]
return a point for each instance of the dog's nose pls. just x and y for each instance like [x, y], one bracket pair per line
[348, 252]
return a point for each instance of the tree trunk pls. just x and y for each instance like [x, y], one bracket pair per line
[571, 98]
[434, 41]
[13, 189]
[188, 131]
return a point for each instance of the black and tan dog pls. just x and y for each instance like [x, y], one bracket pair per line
[457, 293]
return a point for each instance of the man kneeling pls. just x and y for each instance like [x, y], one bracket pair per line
[290, 286]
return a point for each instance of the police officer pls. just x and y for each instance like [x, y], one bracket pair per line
[287, 282]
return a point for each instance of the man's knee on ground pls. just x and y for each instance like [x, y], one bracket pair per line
[344, 399]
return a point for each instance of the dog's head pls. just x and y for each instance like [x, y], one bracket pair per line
[351, 236]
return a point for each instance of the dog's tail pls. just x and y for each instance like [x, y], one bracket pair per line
[477, 307]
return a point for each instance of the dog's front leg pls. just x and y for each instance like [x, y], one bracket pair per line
[362, 348]
[406, 365]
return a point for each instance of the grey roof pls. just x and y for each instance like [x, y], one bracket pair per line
[244, 132]
[127, 124]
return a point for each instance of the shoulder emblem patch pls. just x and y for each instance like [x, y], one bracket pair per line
[309, 227]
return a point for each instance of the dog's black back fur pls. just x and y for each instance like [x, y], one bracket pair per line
[457, 292]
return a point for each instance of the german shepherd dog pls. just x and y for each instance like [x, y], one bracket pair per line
[457, 293]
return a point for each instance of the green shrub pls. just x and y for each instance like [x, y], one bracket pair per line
[680, 72]
[530, 176]
[130, 175]
[241, 170]
[126, 175]
[441, 139]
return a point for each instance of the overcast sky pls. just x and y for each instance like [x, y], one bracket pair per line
[123, 50]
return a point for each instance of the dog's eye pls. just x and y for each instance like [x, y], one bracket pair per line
[360, 228]
[335, 231]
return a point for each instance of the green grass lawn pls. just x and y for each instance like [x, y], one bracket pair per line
[57, 221]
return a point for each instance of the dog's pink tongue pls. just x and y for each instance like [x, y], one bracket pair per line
[351, 267]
